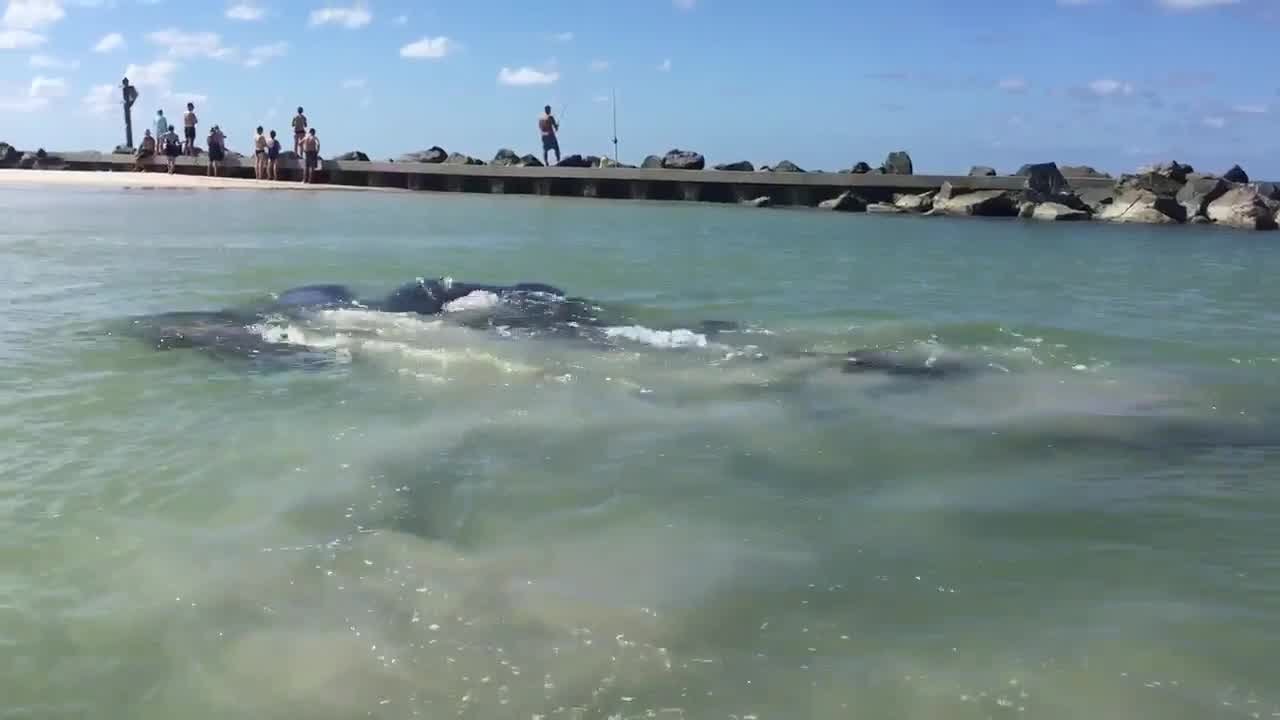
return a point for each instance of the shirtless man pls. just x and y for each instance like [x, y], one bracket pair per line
[146, 151]
[189, 128]
[310, 156]
[299, 130]
[260, 155]
[548, 125]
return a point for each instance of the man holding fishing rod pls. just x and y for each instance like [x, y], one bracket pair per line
[548, 125]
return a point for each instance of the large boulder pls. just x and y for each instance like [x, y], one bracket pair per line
[787, 166]
[982, 171]
[1243, 207]
[458, 158]
[987, 203]
[1135, 205]
[434, 155]
[1081, 171]
[861, 168]
[1268, 190]
[1053, 211]
[1173, 170]
[740, 166]
[1196, 195]
[9, 155]
[1153, 182]
[290, 155]
[1236, 175]
[683, 160]
[844, 202]
[884, 209]
[898, 163]
[1097, 198]
[353, 156]
[505, 158]
[914, 203]
[574, 161]
[530, 160]
[1045, 178]
[651, 162]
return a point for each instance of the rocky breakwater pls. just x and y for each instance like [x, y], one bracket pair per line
[1173, 193]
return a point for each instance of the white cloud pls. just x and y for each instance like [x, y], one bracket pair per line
[1215, 122]
[49, 62]
[32, 14]
[1251, 109]
[154, 82]
[47, 87]
[1013, 85]
[600, 99]
[563, 37]
[684, 4]
[263, 53]
[20, 39]
[102, 98]
[39, 93]
[665, 66]
[526, 76]
[198, 44]
[1194, 4]
[401, 20]
[352, 18]
[599, 65]
[109, 42]
[353, 83]
[246, 12]
[431, 48]
[1109, 88]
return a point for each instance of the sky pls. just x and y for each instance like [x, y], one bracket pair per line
[1115, 84]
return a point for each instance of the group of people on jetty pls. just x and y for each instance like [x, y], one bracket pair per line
[266, 147]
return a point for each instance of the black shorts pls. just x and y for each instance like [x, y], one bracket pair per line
[549, 142]
[190, 132]
[215, 153]
[311, 158]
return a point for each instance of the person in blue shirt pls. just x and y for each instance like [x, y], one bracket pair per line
[162, 124]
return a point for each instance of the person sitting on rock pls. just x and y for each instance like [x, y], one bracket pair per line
[548, 125]
[146, 151]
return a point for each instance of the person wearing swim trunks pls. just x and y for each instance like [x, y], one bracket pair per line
[299, 130]
[172, 148]
[548, 125]
[311, 156]
[146, 151]
[273, 157]
[259, 155]
[217, 149]
[189, 128]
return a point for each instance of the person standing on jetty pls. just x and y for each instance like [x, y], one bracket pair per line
[172, 147]
[189, 129]
[548, 125]
[273, 157]
[260, 155]
[311, 156]
[217, 149]
[162, 125]
[299, 130]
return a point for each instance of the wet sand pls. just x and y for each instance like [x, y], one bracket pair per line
[157, 180]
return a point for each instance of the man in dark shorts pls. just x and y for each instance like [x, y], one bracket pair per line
[310, 156]
[548, 125]
[217, 150]
[299, 130]
[172, 148]
[189, 128]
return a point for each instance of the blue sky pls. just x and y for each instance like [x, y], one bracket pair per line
[1111, 83]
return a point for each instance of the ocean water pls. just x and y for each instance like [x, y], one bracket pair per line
[444, 522]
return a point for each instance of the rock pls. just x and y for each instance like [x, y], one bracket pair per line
[1173, 170]
[291, 155]
[434, 155]
[1045, 178]
[9, 155]
[844, 202]
[231, 155]
[123, 150]
[885, 209]
[898, 163]
[1196, 195]
[353, 156]
[1026, 210]
[1056, 211]
[987, 203]
[860, 169]
[787, 166]
[1153, 182]
[740, 166]
[506, 158]
[1268, 190]
[574, 161]
[762, 201]
[653, 161]
[1081, 171]
[914, 203]
[530, 161]
[981, 171]
[1097, 198]
[1236, 175]
[1200, 220]
[1136, 205]
[683, 160]
[458, 158]
[1243, 207]
[593, 161]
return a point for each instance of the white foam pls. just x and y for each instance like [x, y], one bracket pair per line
[476, 300]
[658, 338]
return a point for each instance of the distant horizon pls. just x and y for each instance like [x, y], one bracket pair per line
[848, 84]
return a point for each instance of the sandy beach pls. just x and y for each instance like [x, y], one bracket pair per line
[157, 180]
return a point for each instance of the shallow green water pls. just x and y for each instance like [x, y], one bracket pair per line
[453, 523]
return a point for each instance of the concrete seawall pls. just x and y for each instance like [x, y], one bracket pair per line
[783, 188]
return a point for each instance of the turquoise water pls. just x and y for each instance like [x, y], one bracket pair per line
[446, 522]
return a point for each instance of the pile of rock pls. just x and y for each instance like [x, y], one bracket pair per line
[1172, 193]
